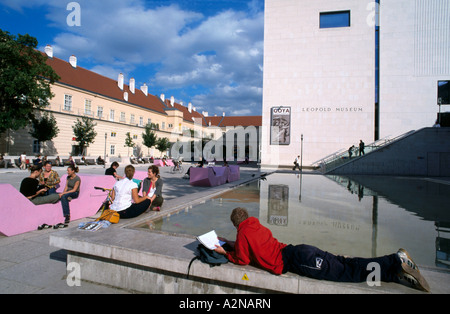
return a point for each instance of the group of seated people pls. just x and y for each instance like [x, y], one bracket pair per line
[25, 163]
[40, 187]
[125, 195]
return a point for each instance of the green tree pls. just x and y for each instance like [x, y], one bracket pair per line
[129, 142]
[84, 132]
[45, 128]
[149, 137]
[162, 144]
[25, 81]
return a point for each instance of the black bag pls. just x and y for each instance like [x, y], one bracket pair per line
[208, 256]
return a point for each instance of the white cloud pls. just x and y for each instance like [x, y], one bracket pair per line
[218, 56]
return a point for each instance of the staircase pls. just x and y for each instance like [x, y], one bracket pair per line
[341, 157]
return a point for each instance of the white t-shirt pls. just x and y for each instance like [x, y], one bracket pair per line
[123, 197]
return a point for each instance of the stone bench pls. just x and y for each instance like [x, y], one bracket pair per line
[159, 163]
[158, 263]
[20, 215]
[213, 176]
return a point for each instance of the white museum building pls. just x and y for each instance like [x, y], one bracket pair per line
[340, 71]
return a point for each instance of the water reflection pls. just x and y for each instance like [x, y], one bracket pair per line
[357, 216]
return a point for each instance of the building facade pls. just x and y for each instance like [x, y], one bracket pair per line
[340, 71]
[118, 108]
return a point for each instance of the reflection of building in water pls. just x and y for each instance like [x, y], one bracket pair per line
[278, 203]
[321, 218]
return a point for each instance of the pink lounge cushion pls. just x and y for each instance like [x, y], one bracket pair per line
[20, 215]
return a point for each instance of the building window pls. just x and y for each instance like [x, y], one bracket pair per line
[68, 102]
[141, 121]
[100, 112]
[135, 137]
[112, 150]
[113, 134]
[149, 121]
[36, 147]
[132, 119]
[444, 93]
[87, 107]
[122, 117]
[335, 19]
[111, 115]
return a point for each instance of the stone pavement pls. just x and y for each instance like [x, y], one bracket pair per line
[29, 265]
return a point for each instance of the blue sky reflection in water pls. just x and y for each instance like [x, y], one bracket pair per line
[361, 216]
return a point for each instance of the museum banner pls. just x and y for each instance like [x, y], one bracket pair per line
[280, 126]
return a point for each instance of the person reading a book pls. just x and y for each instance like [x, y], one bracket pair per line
[125, 198]
[255, 245]
[152, 188]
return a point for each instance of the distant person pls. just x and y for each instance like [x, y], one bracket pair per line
[49, 178]
[23, 161]
[152, 187]
[361, 147]
[71, 191]
[38, 161]
[296, 164]
[100, 160]
[350, 151]
[255, 245]
[112, 170]
[31, 189]
[125, 198]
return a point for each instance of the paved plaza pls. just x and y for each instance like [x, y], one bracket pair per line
[29, 265]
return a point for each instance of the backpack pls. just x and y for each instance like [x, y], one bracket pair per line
[208, 256]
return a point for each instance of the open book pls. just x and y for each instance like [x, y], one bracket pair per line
[210, 240]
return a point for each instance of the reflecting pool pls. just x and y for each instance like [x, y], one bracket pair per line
[358, 216]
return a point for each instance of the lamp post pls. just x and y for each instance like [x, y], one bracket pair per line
[104, 156]
[301, 155]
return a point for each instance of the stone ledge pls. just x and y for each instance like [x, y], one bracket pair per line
[159, 264]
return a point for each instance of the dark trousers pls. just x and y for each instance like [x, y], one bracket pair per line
[157, 202]
[309, 261]
[65, 202]
[134, 210]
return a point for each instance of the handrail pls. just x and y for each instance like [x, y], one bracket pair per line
[342, 156]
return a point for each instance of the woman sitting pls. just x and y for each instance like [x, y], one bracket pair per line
[49, 178]
[33, 191]
[152, 188]
[71, 191]
[125, 198]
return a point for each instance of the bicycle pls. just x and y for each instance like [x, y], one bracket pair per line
[107, 201]
[177, 168]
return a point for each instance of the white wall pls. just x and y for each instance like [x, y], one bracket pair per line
[415, 54]
[325, 75]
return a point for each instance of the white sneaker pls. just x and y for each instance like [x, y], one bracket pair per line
[404, 256]
[413, 278]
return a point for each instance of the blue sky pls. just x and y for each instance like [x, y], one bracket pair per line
[208, 52]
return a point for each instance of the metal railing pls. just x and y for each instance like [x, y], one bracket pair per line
[343, 156]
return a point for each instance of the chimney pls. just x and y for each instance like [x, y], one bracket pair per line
[224, 114]
[205, 113]
[132, 85]
[120, 81]
[172, 101]
[144, 89]
[163, 97]
[190, 107]
[125, 96]
[73, 61]
[49, 51]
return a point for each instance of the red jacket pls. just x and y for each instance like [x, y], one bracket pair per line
[255, 245]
